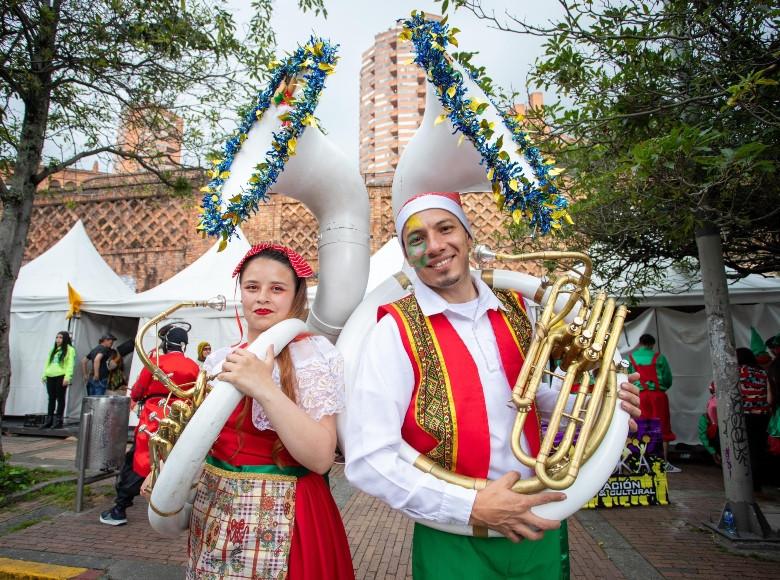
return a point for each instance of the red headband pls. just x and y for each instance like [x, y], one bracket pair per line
[299, 265]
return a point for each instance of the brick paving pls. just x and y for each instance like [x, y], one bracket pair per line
[669, 541]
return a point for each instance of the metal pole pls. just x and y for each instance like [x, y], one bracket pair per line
[85, 427]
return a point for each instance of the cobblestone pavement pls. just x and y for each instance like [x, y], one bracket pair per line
[651, 542]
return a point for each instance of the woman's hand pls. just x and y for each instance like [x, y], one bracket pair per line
[65, 382]
[249, 374]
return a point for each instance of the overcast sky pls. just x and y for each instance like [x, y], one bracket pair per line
[353, 24]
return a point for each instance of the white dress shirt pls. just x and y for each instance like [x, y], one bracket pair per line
[381, 396]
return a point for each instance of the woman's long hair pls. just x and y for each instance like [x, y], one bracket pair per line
[287, 377]
[60, 351]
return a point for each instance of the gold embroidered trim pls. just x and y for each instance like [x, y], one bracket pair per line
[519, 323]
[433, 407]
[248, 475]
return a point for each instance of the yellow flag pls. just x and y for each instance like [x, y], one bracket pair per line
[74, 298]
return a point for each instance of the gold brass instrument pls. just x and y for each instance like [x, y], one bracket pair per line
[583, 334]
[172, 417]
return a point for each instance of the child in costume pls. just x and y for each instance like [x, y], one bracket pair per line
[263, 508]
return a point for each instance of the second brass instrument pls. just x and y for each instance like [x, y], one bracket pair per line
[172, 417]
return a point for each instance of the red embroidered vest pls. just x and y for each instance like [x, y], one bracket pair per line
[447, 416]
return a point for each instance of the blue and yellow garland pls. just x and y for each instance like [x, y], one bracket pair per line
[309, 65]
[539, 202]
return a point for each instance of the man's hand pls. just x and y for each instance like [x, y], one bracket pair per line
[499, 508]
[629, 395]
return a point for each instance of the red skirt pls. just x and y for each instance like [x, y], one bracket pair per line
[319, 547]
[655, 405]
[319, 544]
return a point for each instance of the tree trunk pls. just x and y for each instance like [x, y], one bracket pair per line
[17, 198]
[737, 476]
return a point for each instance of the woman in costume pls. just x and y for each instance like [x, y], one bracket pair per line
[57, 376]
[263, 508]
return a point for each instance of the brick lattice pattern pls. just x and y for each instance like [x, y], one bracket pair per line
[146, 234]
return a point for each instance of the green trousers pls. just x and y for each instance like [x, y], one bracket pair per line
[441, 556]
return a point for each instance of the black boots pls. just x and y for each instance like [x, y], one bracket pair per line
[57, 423]
[48, 422]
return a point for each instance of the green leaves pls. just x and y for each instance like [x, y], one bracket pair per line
[670, 121]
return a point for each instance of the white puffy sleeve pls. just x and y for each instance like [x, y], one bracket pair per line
[319, 370]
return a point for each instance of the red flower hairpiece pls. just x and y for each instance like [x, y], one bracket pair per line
[299, 265]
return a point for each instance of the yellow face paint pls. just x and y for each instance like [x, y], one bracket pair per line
[415, 246]
[413, 223]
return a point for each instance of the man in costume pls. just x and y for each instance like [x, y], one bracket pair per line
[150, 395]
[437, 371]
[655, 378]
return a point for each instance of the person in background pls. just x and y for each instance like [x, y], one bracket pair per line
[655, 378]
[708, 427]
[116, 382]
[757, 409]
[204, 350]
[760, 349]
[57, 375]
[94, 366]
[148, 393]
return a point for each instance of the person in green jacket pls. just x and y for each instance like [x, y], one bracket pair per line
[57, 376]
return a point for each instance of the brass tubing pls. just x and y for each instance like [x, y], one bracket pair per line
[519, 390]
[594, 353]
[555, 420]
[139, 347]
[608, 375]
[594, 314]
[528, 394]
[580, 399]
[584, 259]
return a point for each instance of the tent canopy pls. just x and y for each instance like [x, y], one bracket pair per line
[679, 288]
[38, 308]
[42, 284]
[208, 276]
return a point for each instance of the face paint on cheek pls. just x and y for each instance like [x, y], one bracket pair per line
[416, 255]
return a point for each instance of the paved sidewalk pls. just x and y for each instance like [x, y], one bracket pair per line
[642, 543]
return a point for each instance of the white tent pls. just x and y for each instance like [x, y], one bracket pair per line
[207, 277]
[38, 307]
[682, 337]
[385, 262]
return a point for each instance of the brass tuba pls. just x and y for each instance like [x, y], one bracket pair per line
[172, 417]
[582, 334]
[461, 140]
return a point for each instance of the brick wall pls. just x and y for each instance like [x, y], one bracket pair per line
[148, 235]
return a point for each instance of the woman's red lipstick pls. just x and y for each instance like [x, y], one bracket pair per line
[262, 311]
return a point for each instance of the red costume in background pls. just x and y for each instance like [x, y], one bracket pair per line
[152, 394]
